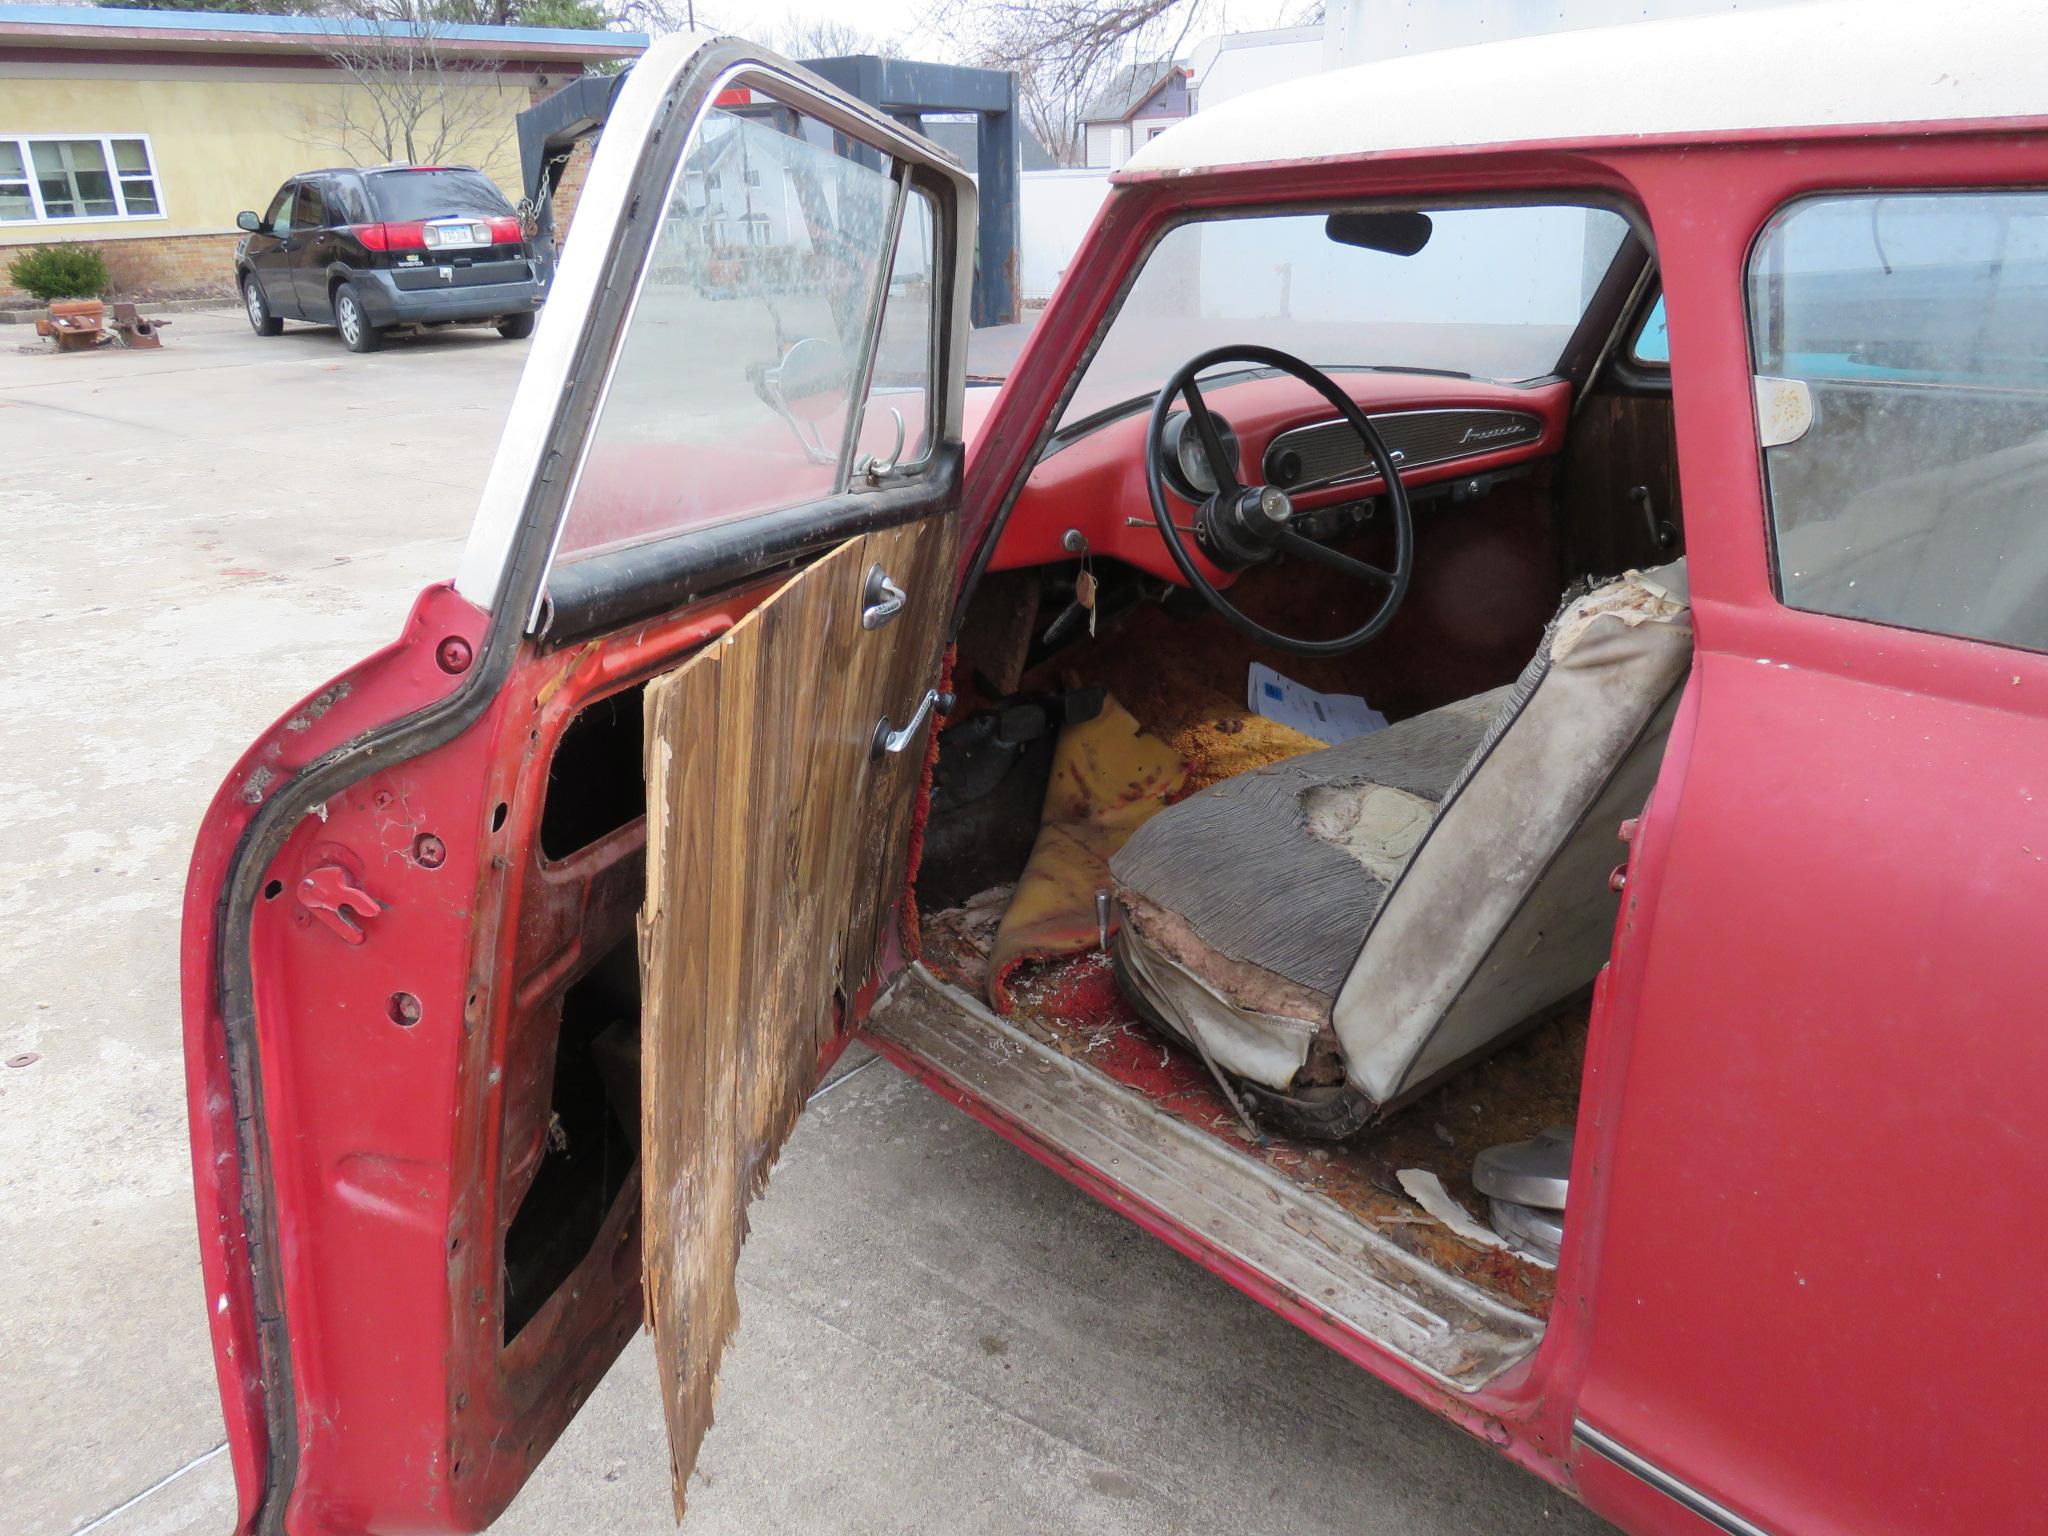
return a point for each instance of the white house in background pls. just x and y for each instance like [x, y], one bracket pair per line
[1226, 66]
[1140, 102]
[1143, 100]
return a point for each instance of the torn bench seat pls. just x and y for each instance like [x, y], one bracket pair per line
[1340, 930]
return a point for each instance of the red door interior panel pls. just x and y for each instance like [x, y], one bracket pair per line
[417, 952]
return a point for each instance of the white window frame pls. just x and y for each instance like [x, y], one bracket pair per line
[40, 216]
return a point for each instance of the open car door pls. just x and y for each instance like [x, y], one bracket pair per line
[713, 566]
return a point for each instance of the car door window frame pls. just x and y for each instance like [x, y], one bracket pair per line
[612, 588]
[926, 437]
[282, 205]
[1788, 510]
[506, 563]
[837, 174]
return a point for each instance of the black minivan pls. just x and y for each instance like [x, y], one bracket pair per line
[365, 250]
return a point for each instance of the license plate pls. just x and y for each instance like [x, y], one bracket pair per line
[462, 233]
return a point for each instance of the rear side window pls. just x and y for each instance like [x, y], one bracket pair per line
[312, 210]
[407, 196]
[345, 204]
[1916, 327]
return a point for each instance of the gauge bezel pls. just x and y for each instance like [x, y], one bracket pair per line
[1176, 439]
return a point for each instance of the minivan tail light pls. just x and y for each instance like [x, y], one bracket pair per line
[506, 231]
[392, 237]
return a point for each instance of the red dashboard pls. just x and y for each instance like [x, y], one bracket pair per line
[1096, 482]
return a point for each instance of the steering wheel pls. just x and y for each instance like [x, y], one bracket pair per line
[1241, 525]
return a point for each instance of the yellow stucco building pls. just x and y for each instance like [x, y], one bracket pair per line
[145, 132]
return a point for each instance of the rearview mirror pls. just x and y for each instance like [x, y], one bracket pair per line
[807, 387]
[247, 220]
[811, 380]
[1401, 233]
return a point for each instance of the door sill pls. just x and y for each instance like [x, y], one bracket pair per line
[1234, 1212]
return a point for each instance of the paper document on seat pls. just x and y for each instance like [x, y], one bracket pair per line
[1329, 717]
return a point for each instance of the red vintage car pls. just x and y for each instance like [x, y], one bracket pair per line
[1465, 741]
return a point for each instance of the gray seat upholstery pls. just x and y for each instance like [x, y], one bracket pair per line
[1377, 913]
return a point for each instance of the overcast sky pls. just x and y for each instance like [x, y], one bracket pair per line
[901, 22]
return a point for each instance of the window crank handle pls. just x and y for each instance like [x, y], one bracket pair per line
[888, 739]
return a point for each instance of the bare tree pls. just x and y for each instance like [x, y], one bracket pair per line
[818, 37]
[798, 35]
[411, 97]
[1066, 53]
[661, 17]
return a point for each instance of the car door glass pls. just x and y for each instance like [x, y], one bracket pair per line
[346, 203]
[1911, 484]
[280, 216]
[311, 209]
[1652, 346]
[896, 421]
[740, 360]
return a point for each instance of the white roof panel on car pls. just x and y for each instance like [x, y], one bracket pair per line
[1826, 64]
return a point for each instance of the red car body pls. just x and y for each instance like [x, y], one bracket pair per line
[1814, 1120]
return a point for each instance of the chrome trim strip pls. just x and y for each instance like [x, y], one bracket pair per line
[1528, 430]
[1629, 1462]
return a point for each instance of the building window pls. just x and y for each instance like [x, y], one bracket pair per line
[54, 180]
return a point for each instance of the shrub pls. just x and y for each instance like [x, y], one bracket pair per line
[60, 272]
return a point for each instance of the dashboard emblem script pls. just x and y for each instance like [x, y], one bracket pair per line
[1483, 434]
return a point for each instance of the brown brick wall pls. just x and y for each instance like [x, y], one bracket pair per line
[170, 267]
[571, 189]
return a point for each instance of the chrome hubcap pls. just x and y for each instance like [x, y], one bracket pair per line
[349, 320]
[255, 303]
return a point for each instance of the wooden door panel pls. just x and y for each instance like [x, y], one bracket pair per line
[774, 843]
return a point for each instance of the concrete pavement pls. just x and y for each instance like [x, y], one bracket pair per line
[938, 1334]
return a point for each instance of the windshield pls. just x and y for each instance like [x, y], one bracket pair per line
[443, 194]
[1493, 292]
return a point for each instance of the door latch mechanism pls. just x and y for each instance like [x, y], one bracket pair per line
[330, 893]
[889, 739]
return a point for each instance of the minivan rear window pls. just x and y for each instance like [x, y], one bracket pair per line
[406, 195]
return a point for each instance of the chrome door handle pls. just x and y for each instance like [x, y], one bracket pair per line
[881, 600]
[888, 739]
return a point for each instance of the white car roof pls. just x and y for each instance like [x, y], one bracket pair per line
[1826, 64]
